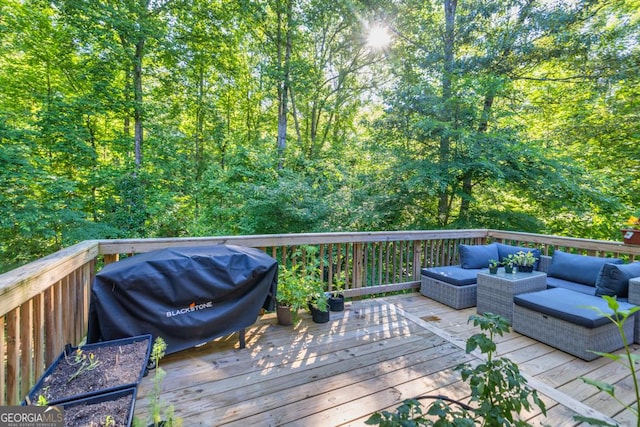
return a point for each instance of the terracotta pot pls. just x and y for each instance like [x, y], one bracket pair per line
[285, 316]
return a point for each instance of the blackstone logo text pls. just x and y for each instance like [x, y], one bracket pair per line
[192, 307]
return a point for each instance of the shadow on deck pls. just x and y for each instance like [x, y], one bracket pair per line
[368, 358]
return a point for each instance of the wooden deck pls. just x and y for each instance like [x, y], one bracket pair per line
[370, 357]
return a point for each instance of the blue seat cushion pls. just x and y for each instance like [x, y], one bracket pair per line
[454, 274]
[505, 250]
[582, 269]
[614, 279]
[568, 305]
[477, 256]
[554, 282]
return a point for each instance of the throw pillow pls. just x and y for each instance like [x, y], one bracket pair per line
[477, 256]
[614, 279]
[578, 268]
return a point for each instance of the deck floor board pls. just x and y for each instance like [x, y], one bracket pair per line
[368, 358]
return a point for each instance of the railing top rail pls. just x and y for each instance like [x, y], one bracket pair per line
[23, 283]
[561, 241]
[266, 240]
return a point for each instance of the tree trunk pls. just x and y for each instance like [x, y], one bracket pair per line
[445, 142]
[483, 126]
[137, 105]
[283, 86]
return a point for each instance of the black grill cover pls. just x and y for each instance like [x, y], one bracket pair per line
[187, 295]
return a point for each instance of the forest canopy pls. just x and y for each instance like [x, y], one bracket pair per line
[168, 118]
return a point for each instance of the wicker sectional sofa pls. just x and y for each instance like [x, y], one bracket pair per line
[559, 315]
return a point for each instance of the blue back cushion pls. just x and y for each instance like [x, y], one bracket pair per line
[477, 256]
[578, 268]
[505, 250]
[614, 279]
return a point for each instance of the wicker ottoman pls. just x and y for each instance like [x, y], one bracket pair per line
[561, 318]
[450, 285]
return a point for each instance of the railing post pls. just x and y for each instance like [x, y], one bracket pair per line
[417, 262]
[358, 263]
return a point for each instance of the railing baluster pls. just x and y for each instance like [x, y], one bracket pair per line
[13, 356]
[3, 362]
[26, 347]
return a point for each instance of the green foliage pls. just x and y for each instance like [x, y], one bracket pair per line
[83, 362]
[523, 258]
[498, 391]
[534, 105]
[628, 360]
[300, 280]
[160, 414]
[292, 288]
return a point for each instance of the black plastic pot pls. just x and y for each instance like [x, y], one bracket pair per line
[525, 268]
[336, 303]
[319, 316]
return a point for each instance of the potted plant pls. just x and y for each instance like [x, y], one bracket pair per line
[524, 261]
[631, 231]
[292, 295]
[493, 266]
[319, 307]
[336, 296]
[508, 263]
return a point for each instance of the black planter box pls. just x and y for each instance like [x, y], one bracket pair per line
[73, 406]
[42, 384]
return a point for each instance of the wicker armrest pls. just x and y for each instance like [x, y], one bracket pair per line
[634, 290]
[544, 263]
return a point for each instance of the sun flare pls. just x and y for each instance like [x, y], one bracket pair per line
[379, 37]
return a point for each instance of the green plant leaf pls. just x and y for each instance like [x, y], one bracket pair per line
[600, 385]
[593, 421]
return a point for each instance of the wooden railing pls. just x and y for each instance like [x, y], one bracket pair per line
[45, 304]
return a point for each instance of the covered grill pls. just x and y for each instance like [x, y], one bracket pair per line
[186, 295]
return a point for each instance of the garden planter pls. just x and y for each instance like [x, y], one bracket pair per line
[336, 303]
[508, 269]
[631, 236]
[493, 270]
[115, 408]
[93, 369]
[319, 316]
[284, 314]
[525, 268]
